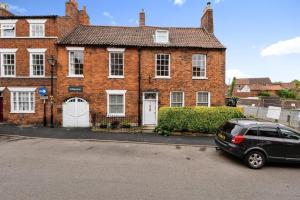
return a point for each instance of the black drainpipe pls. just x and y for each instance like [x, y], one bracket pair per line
[140, 95]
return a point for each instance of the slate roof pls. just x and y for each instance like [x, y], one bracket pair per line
[253, 81]
[140, 37]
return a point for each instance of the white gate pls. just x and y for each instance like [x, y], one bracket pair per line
[76, 113]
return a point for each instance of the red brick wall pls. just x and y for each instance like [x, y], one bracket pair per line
[96, 80]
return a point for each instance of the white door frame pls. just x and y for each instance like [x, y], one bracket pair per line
[156, 100]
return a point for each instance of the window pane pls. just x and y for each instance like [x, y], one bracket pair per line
[8, 64]
[252, 132]
[290, 134]
[116, 64]
[76, 62]
[199, 65]
[37, 61]
[162, 65]
[176, 99]
[203, 99]
[8, 30]
[116, 105]
[37, 30]
[268, 132]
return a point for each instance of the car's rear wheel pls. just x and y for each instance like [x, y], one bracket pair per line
[255, 159]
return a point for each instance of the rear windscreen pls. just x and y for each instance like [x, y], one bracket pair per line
[231, 128]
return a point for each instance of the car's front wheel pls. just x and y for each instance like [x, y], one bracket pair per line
[255, 159]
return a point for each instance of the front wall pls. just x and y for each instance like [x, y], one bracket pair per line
[96, 81]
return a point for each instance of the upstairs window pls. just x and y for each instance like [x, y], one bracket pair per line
[162, 36]
[37, 27]
[162, 65]
[8, 64]
[37, 62]
[203, 99]
[199, 66]
[177, 99]
[8, 30]
[116, 63]
[76, 61]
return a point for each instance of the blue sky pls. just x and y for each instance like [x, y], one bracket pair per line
[262, 36]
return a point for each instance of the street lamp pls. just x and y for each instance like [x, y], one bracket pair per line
[52, 62]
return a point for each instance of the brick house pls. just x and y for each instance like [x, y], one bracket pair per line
[133, 71]
[26, 42]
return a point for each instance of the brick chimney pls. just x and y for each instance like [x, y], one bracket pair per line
[4, 10]
[207, 20]
[71, 8]
[84, 17]
[142, 21]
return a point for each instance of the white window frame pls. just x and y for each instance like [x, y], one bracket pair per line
[36, 22]
[8, 22]
[169, 67]
[183, 101]
[7, 51]
[209, 98]
[21, 89]
[72, 49]
[158, 37]
[36, 51]
[205, 65]
[115, 50]
[116, 92]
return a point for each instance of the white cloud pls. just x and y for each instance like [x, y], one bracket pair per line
[231, 73]
[17, 9]
[285, 47]
[218, 1]
[109, 16]
[179, 2]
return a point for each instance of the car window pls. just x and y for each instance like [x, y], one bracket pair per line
[290, 134]
[252, 132]
[232, 128]
[269, 132]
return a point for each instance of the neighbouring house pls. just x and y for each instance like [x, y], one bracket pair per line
[133, 71]
[26, 42]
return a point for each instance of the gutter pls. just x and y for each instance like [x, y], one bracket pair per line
[139, 90]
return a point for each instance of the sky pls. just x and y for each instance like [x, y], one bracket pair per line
[262, 36]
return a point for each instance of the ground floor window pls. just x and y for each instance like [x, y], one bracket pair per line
[116, 103]
[203, 99]
[177, 99]
[22, 101]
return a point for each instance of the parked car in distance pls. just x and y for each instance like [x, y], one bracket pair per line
[259, 142]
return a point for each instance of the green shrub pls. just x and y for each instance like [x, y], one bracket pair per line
[264, 94]
[287, 94]
[196, 119]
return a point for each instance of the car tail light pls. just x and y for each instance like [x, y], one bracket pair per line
[238, 139]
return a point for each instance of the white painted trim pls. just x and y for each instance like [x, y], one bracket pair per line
[8, 21]
[21, 89]
[36, 21]
[17, 91]
[2, 30]
[109, 65]
[162, 77]
[30, 65]
[1, 89]
[69, 73]
[209, 98]
[49, 37]
[5, 50]
[199, 78]
[162, 42]
[36, 50]
[205, 63]
[75, 76]
[30, 31]
[75, 48]
[143, 112]
[116, 92]
[116, 49]
[183, 104]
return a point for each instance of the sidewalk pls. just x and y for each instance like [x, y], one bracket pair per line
[85, 133]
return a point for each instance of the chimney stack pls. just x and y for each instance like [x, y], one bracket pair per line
[207, 20]
[71, 8]
[142, 18]
[4, 10]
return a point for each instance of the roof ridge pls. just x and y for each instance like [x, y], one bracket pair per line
[167, 27]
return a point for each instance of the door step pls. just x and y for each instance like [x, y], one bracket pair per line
[148, 129]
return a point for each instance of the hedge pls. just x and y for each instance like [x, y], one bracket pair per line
[196, 119]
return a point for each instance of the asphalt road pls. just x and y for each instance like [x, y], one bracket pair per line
[48, 169]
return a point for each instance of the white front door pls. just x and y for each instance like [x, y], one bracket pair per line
[150, 109]
[76, 113]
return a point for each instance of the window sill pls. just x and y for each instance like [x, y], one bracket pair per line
[36, 76]
[73, 76]
[116, 115]
[199, 78]
[15, 112]
[7, 76]
[116, 77]
[162, 77]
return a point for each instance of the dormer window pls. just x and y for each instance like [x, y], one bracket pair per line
[8, 28]
[162, 36]
[37, 28]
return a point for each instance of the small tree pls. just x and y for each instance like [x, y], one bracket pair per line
[231, 88]
[287, 94]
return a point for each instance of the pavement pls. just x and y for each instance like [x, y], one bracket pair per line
[47, 169]
[87, 134]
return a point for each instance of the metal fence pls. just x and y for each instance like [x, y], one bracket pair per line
[288, 117]
[115, 123]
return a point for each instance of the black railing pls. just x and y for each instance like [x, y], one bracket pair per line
[115, 123]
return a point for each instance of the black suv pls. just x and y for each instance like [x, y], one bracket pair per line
[258, 142]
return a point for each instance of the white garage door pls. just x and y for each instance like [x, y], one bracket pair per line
[76, 113]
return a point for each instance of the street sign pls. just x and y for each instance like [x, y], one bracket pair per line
[44, 97]
[43, 91]
[75, 89]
